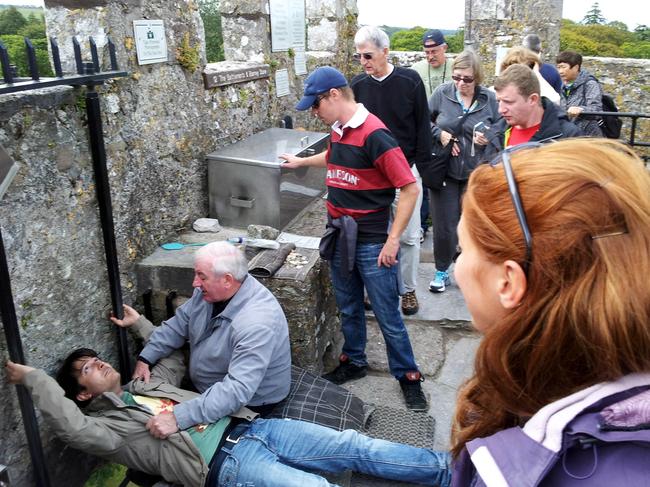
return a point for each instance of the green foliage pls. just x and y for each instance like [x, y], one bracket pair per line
[15, 45]
[611, 40]
[411, 39]
[594, 16]
[34, 29]
[107, 476]
[11, 21]
[408, 40]
[456, 42]
[639, 49]
[209, 10]
[642, 32]
[188, 54]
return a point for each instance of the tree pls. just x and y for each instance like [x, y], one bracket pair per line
[602, 40]
[11, 21]
[408, 39]
[594, 16]
[456, 42]
[642, 32]
[15, 45]
[209, 10]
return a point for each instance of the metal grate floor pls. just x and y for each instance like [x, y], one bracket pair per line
[399, 425]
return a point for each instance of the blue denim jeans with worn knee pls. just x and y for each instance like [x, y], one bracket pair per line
[286, 452]
[381, 284]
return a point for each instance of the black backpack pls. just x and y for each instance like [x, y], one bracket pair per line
[609, 124]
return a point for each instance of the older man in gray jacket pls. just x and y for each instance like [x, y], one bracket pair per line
[238, 338]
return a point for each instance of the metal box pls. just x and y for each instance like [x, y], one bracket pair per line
[248, 185]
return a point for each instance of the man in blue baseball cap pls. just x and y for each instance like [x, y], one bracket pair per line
[365, 166]
[320, 81]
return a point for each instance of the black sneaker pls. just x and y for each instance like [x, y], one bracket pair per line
[412, 391]
[345, 372]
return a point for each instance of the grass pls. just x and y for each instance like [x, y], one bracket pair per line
[108, 476]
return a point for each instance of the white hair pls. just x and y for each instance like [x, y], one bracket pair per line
[225, 258]
[373, 35]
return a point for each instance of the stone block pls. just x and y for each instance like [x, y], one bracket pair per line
[322, 36]
[245, 39]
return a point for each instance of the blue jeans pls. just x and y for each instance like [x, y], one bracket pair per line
[381, 283]
[277, 453]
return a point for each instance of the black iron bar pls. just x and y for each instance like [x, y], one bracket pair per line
[6, 65]
[31, 59]
[56, 57]
[111, 53]
[15, 347]
[93, 54]
[103, 190]
[77, 55]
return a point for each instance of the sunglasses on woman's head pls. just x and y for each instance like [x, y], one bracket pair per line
[504, 158]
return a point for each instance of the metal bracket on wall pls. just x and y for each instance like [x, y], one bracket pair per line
[4, 476]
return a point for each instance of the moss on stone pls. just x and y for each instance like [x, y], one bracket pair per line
[187, 54]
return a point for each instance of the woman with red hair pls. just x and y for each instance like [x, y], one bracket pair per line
[554, 269]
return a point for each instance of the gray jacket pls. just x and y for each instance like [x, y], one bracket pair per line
[116, 431]
[239, 357]
[446, 111]
[585, 92]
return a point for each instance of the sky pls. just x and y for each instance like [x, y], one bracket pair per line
[450, 14]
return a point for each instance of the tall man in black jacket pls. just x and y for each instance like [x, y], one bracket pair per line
[397, 96]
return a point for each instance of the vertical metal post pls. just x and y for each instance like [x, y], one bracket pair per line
[15, 347]
[96, 134]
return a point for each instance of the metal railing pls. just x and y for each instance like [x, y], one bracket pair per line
[634, 116]
[90, 75]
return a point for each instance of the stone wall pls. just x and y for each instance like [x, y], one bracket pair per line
[503, 23]
[159, 123]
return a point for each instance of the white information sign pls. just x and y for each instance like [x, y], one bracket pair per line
[297, 25]
[287, 24]
[299, 61]
[280, 26]
[150, 41]
[282, 82]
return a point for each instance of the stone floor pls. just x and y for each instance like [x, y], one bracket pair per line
[444, 345]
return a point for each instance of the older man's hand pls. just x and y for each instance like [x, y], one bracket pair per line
[16, 372]
[162, 425]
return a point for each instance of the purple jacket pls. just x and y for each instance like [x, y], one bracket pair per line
[599, 436]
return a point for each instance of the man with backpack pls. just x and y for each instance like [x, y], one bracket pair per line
[581, 92]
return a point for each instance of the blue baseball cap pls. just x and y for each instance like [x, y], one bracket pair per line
[433, 38]
[320, 81]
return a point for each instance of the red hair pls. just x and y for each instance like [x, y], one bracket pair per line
[585, 317]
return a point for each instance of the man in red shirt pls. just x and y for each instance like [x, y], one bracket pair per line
[365, 166]
[527, 116]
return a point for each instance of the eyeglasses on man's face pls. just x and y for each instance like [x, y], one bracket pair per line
[504, 158]
[319, 98]
[365, 55]
[464, 79]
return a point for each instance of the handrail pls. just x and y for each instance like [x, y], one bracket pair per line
[89, 75]
[635, 116]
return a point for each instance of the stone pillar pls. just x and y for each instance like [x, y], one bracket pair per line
[490, 24]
